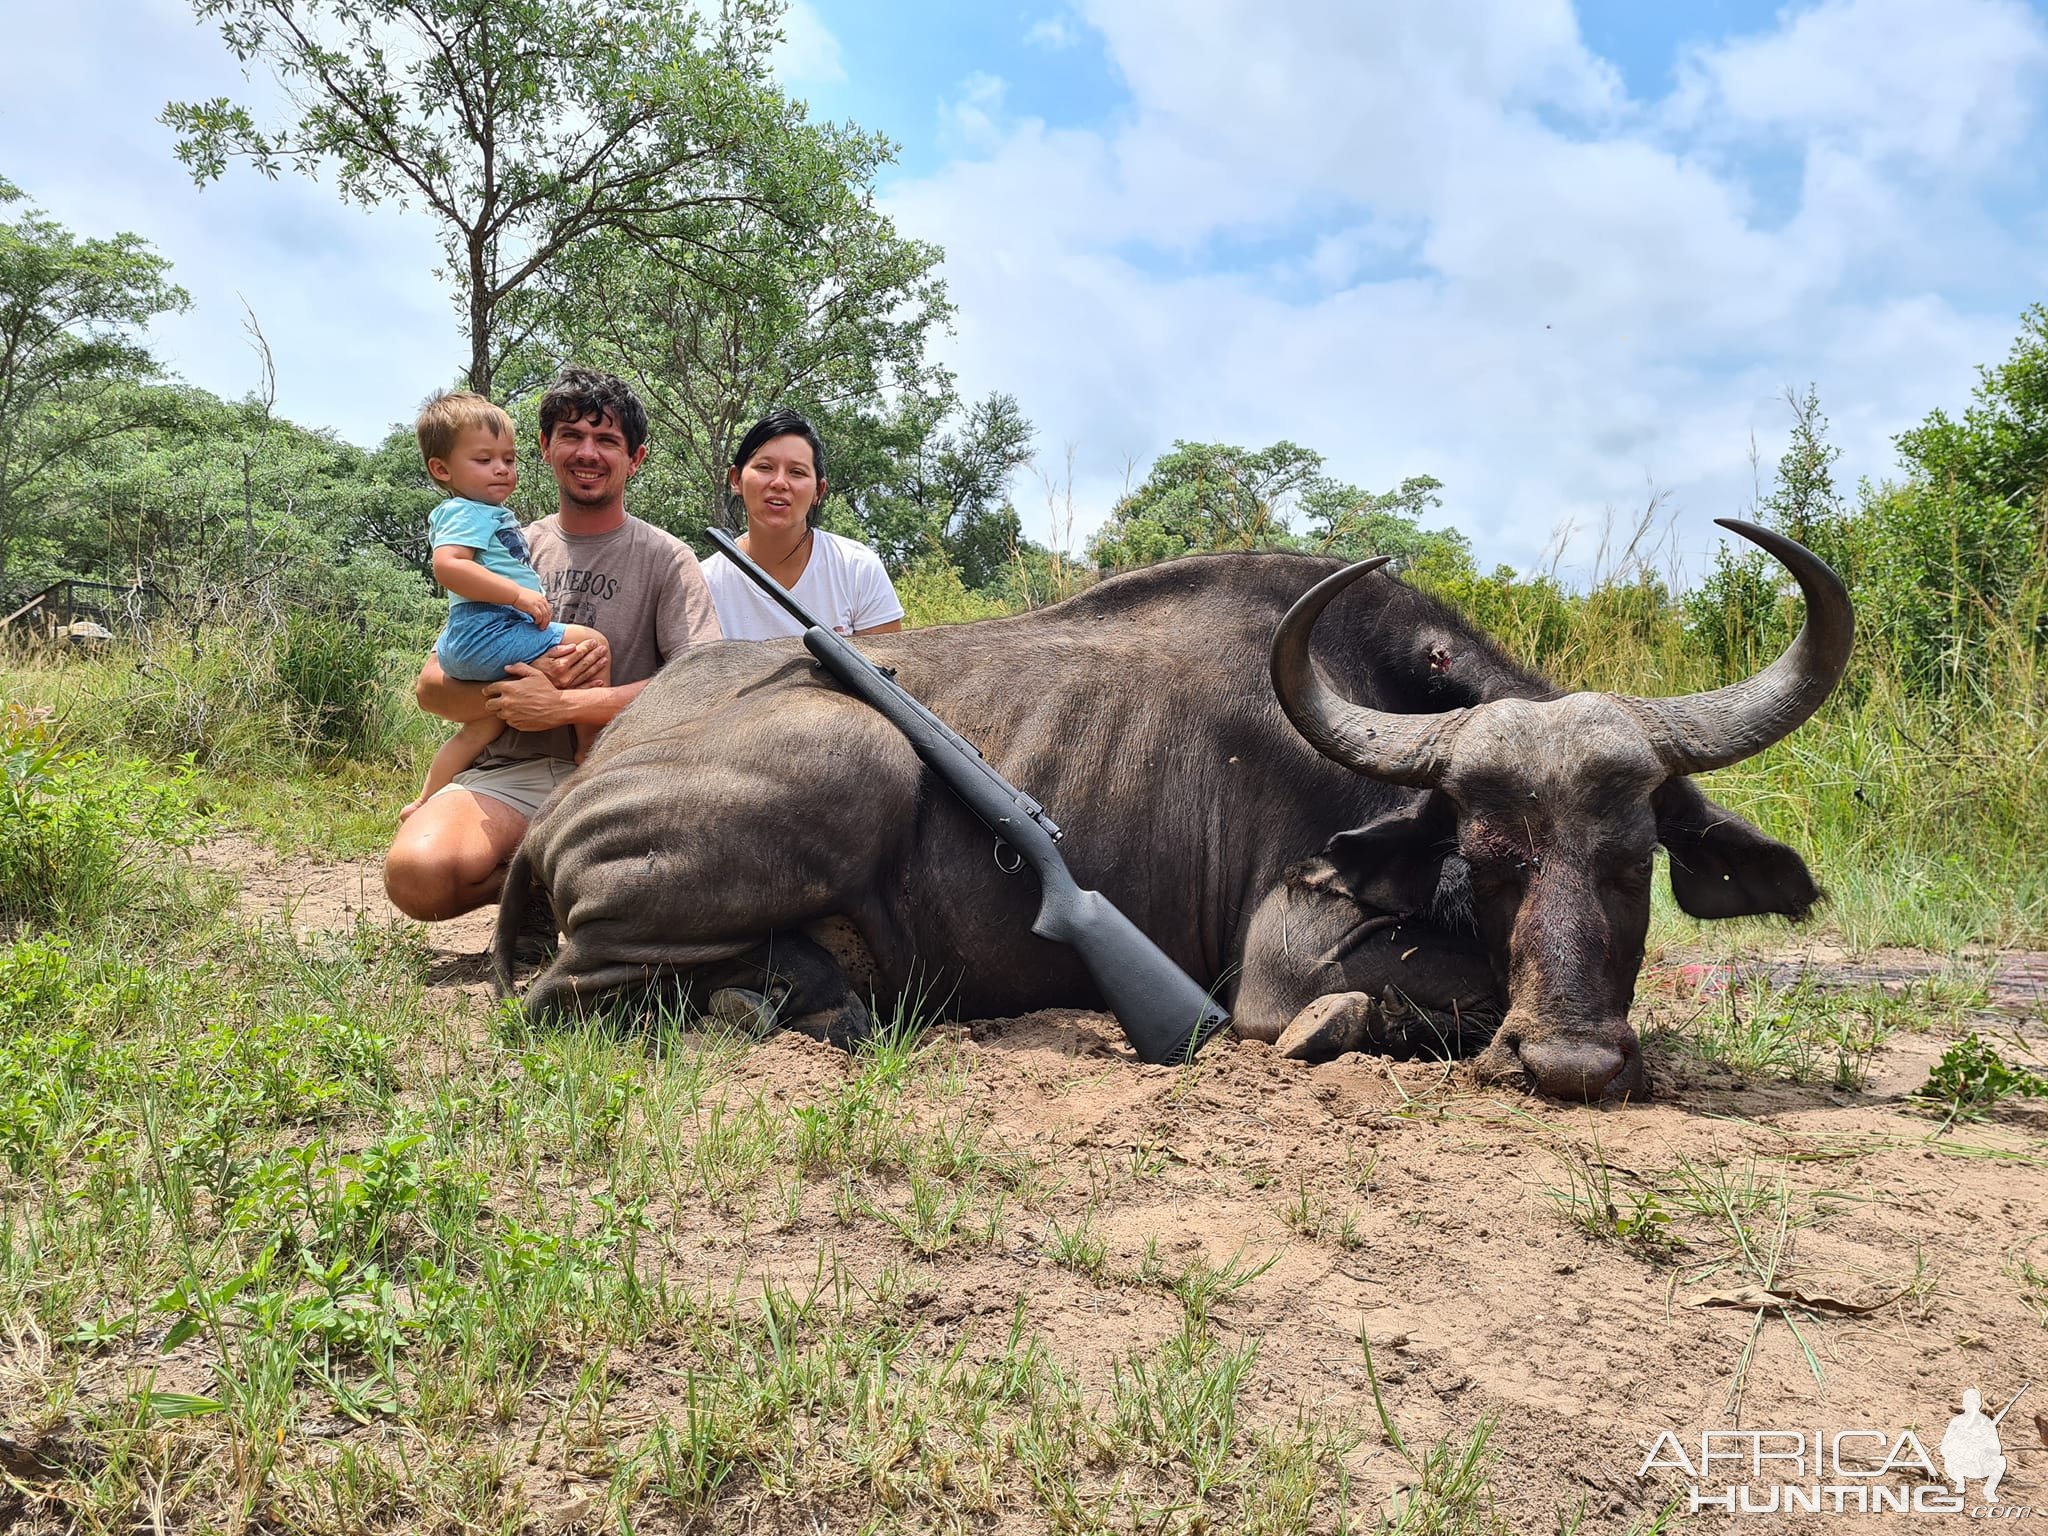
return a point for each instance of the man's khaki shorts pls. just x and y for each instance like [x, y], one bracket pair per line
[524, 785]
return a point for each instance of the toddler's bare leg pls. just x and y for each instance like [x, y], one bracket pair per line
[456, 754]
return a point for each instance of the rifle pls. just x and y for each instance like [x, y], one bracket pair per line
[1164, 1014]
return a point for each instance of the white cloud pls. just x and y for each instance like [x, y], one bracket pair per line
[1942, 87]
[973, 120]
[808, 54]
[1492, 264]
[1053, 32]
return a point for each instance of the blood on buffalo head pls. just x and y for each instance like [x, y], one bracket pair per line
[1557, 806]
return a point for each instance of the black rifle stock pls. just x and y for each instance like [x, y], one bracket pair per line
[1165, 1015]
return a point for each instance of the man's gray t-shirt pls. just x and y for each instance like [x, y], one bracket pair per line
[637, 586]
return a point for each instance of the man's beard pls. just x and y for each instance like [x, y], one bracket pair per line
[595, 496]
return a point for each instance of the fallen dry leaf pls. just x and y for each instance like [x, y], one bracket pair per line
[1757, 1298]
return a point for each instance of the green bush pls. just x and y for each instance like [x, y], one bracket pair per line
[1972, 1077]
[331, 680]
[257, 695]
[38, 984]
[933, 593]
[81, 835]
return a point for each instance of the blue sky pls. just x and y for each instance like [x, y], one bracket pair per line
[1566, 259]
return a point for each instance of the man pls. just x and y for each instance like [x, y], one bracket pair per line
[638, 587]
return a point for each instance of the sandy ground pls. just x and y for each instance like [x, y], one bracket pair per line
[1403, 1202]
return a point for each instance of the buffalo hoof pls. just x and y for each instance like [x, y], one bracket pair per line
[1592, 1071]
[845, 1025]
[1330, 1026]
[738, 1008]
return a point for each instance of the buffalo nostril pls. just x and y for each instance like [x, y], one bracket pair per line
[1584, 1069]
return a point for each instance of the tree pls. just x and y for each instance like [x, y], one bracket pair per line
[1206, 496]
[68, 312]
[969, 483]
[218, 505]
[719, 314]
[1746, 610]
[1999, 450]
[1356, 524]
[1959, 552]
[524, 126]
[920, 490]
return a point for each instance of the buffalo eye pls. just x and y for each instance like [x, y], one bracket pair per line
[1496, 872]
[1631, 874]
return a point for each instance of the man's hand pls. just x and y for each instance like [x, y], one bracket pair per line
[526, 700]
[576, 665]
[535, 606]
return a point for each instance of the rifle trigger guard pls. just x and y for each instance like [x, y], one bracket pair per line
[1017, 859]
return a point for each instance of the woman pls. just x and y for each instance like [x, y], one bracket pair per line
[779, 476]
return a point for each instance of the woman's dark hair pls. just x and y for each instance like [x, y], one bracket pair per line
[584, 394]
[784, 423]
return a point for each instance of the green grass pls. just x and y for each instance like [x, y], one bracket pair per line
[254, 1186]
[264, 1168]
[1811, 1033]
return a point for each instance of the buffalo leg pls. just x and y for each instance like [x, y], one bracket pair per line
[1430, 986]
[801, 981]
[792, 973]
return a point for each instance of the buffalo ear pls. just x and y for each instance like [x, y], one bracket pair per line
[1721, 866]
[1391, 863]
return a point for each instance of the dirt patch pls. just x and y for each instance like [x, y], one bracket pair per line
[324, 895]
[1762, 1255]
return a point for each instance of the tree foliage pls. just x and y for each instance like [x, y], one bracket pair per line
[164, 508]
[1746, 608]
[69, 313]
[523, 126]
[926, 480]
[1213, 496]
[1960, 549]
[1206, 496]
[721, 313]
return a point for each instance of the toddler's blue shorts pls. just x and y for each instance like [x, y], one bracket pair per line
[482, 639]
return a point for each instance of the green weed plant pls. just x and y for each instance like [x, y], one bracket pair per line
[1972, 1079]
[82, 835]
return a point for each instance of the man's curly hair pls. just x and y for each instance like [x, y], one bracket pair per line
[584, 394]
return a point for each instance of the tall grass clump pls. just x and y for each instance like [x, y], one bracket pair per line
[83, 835]
[261, 692]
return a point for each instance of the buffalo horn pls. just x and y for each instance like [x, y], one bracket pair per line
[1702, 731]
[1401, 749]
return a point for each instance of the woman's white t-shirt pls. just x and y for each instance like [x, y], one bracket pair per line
[843, 584]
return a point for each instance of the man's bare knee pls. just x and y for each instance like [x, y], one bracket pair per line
[449, 858]
[417, 887]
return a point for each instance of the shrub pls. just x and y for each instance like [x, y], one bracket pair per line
[260, 694]
[331, 679]
[933, 593]
[1972, 1077]
[81, 835]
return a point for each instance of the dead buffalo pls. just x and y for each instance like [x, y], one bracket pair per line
[1299, 779]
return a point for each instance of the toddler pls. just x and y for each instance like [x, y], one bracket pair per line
[498, 615]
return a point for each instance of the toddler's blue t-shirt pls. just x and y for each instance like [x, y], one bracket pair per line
[493, 532]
